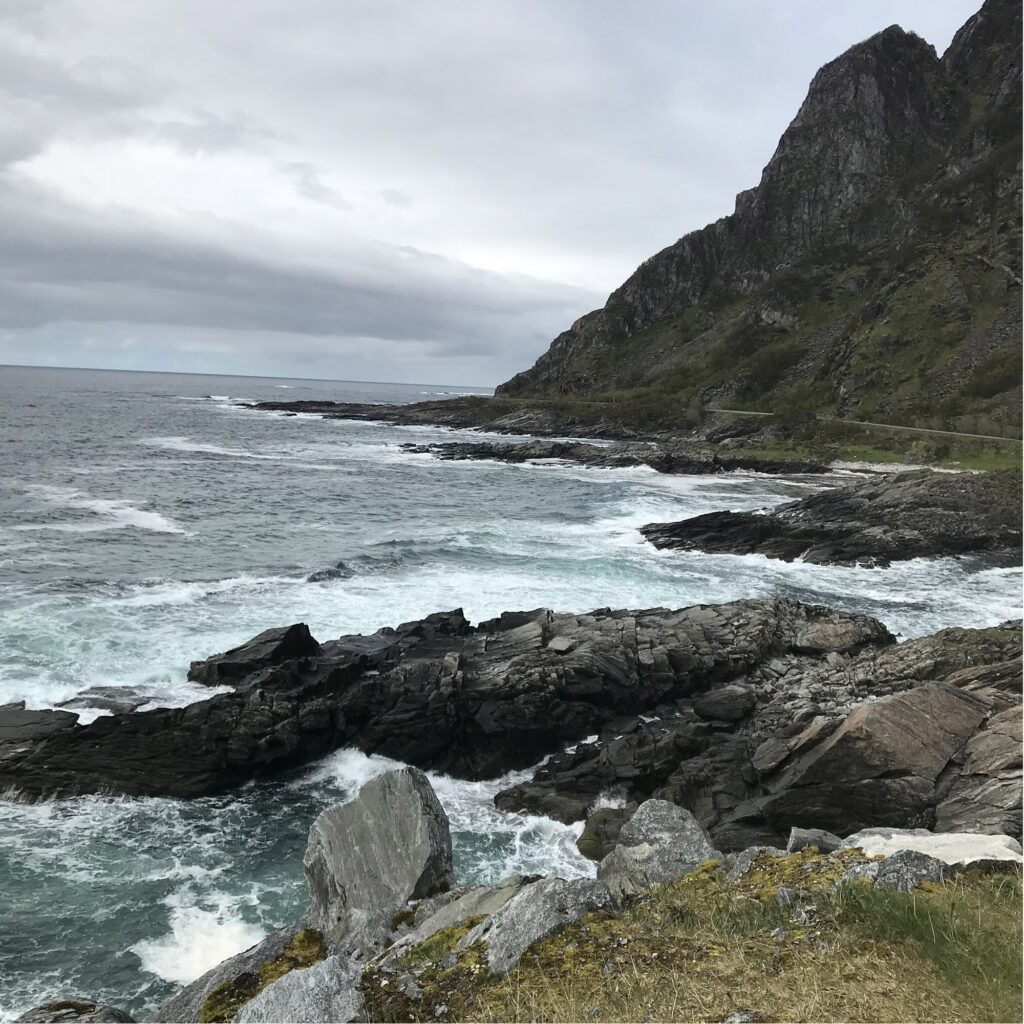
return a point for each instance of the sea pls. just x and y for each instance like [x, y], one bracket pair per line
[150, 519]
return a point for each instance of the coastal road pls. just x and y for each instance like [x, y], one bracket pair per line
[887, 426]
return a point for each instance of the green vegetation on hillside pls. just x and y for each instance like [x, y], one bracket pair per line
[702, 948]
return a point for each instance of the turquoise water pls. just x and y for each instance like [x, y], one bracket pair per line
[150, 519]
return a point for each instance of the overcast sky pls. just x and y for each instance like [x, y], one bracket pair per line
[376, 190]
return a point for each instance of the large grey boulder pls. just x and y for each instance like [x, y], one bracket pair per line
[660, 843]
[538, 911]
[327, 991]
[366, 859]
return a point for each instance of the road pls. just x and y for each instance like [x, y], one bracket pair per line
[887, 426]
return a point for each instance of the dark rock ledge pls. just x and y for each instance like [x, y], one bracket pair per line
[437, 693]
[674, 457]
[756, 715]
[872, 522]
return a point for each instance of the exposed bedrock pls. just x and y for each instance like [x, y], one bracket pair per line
[675, 457]
[872, 522]
[438, 693]
[926, 733]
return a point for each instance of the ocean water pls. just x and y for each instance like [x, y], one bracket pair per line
[150, 519]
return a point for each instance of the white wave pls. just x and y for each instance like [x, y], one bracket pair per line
[199, 938]
[114, 514]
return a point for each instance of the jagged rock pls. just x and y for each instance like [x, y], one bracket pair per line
[73, 1009]
[987, 794]
[479, 901]
[745, 858]
[880, 765]
[872, 522]
[366, 859]
[826, 842]
[660, 843]
[957, 849]
[906, 870]
[438, 693]
[602, 831]
[270, 647]
[729, 703]
[675, 457]
[327, 991]
[187, 1005]
[728, 777]
[540, 910]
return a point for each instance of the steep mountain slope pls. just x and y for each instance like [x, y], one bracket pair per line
[874, 273]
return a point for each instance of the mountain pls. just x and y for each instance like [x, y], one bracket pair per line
[873, 274]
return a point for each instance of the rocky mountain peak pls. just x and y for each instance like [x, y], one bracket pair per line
[874, 269]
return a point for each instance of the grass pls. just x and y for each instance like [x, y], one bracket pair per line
[700, 949]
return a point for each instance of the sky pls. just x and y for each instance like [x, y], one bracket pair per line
[371, 189]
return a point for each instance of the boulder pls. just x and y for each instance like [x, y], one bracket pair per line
[327, 991]
[799, 838]
[538, 911]
[660, 843]
[477, 901]
[366, 859]
[745, 858]
[880, 766]
[271, 647]
[73, 1010]
[906, 870]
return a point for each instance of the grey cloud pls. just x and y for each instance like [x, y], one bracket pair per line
[308, 183]
[62, 266]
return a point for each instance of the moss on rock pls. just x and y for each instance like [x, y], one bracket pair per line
[225, 1000]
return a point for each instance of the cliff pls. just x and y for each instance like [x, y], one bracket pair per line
[874, 273]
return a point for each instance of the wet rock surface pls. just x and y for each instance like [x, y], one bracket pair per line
[872, 522]
[439, 693]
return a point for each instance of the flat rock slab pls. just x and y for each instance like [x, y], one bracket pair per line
[950, 848]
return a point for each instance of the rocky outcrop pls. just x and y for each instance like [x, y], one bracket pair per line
[365, 862]
[672, 457]
[537, 912]
[436, 693]
[871, 522]
[882, 737]
[73, 1010]
[874, 272]
[358, 875]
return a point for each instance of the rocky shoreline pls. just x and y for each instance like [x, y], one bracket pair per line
[756, 715]
[388, 936]
[871, 522]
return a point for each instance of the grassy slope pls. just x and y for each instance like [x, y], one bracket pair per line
[700, 949]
